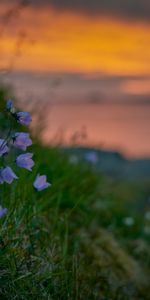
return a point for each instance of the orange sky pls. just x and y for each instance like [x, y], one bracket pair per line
[75, 43]
[111, 59]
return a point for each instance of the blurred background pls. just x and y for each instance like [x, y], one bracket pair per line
[85, 65]
[82, 68]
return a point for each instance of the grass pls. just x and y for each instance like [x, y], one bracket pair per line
[86, 237]
[71, 241]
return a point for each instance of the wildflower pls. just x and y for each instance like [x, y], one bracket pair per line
[73, 159]
[91, 157]
[25, 161]
[41, 183]
[7, 175]
[21, 140]
[9, 105]
[129, 221]
[147, 215]
[3, 147]
[3, 212]
[147, 230]
[23, 118]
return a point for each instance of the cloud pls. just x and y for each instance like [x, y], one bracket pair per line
[126, 8]
[130, 9]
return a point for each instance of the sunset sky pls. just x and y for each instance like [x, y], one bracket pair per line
[107, 40]
[82, 51]
[77, 36]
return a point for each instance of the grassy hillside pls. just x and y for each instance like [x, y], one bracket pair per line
[84, 238]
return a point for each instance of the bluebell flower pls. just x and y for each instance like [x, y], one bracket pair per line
[9, 105]
[3, 147]
[23, 118]
[7, 175]
[41, 183]
[3, 212]
[91, 157]
[25, 161]
[21, 140]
